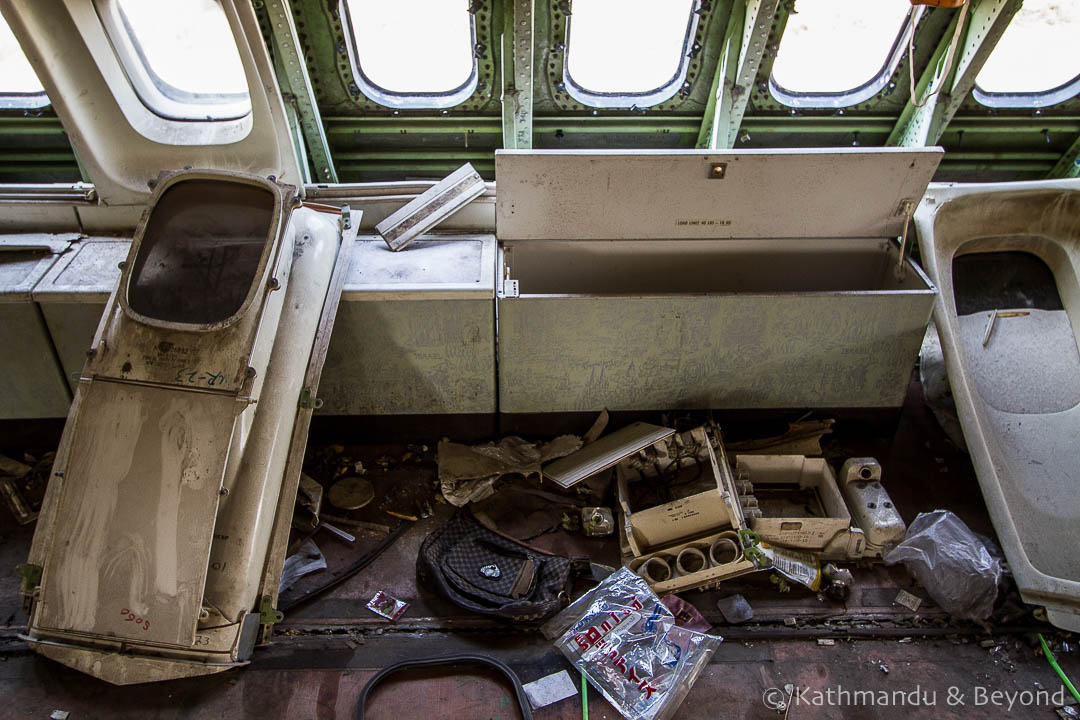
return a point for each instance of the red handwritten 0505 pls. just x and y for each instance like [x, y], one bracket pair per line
[132, 617]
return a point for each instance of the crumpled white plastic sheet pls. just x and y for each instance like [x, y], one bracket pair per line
[951, 562]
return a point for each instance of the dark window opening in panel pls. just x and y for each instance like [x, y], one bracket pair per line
[201, 251]
[984, 282]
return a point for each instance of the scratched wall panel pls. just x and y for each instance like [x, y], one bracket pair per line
[736, 351]
[32, 383]
[72, 327]
[136, 513]
[411, 357]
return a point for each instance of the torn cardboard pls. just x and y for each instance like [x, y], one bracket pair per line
[468, 473]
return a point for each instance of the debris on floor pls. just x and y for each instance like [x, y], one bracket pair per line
[468, 473]
[597, 521]
[15, 469]
[630, 648]
[685, 614]
[387, 605]
[306, 559]
[735, 609]
[22, 485]
[604, 453]
[953, 564]
[908, 600]
[550, 689]
[801, 438]
[487, 573]
[15, 501]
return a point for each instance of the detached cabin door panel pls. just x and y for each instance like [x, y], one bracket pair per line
[133, 561]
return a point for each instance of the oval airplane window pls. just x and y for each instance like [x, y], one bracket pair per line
[180, 58]
[836, 54]
[19, 84]
[622, 53]
[1043, 29]
[201, 251]
[415, 54]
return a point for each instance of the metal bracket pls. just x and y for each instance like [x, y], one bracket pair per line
[907, 209]
[268, 614]
[517, 74]
[940, 89]
[308, 401]
[510, 288]
[1069, 164]
[743, 48]
[31, 577]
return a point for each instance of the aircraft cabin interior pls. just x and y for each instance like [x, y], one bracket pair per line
[539, 358]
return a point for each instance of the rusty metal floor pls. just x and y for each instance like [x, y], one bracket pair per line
[325, 650]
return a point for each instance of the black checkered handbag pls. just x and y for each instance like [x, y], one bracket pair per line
[486, 572]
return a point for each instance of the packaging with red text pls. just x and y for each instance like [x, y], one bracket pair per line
[627, 644]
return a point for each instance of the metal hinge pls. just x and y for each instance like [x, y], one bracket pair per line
[346, 217]
[510, 288]
[31, 577]
[308, 400]
[268, 614]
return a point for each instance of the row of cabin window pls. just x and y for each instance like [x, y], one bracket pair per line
[182, 61]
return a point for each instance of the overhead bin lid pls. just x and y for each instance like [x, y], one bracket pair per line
[24, 260]
[674, 194]
[88, 273]
[435, 267]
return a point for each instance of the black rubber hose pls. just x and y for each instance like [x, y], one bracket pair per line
[365, 560]
[523, 701]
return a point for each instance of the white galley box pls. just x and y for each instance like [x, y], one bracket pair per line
[73, 295]
[648, 280]
[32, 384]
[415, 331]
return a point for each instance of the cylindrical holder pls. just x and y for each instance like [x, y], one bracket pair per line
[723, 551]
[654, 570]
[690, 561]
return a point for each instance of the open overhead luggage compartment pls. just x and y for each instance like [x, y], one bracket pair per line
[691, 279]
[1006, 257]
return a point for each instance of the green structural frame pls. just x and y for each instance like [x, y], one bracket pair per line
[520, 100]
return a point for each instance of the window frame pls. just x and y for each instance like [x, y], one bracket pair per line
[1027, 100]
[641, 99]
[24, 101]
[158, 96]
[860, 93]
[399, 100]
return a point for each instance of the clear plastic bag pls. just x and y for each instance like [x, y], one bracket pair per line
[954, 565]
[629, 647]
